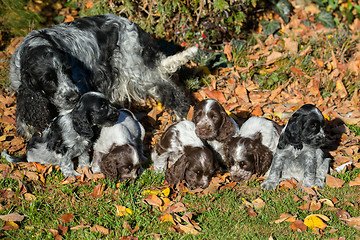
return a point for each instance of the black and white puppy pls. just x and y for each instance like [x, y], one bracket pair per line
[247, 156]
[189, 158]
[214, 125]
[270, 131]
[298, 154]
[52, 67]
[69, 135]
[118, 150]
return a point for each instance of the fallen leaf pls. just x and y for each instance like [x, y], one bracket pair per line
[342, 214]
[356, 182]
[251, 212]
[122, 211]
[79, 227]
[188, 229]
[128, 238]
[10, 225]
[334, 182]
[327, 202]
[153, 200]
[29, 197]
[13, 217]
[298, 225]
[273, 57]
[167, 218]
[98, 190]
[258, 203]
[340, 88]
[285, 217]
[101, 229]
[227, 51]
[166, 203]
[67, 217]
[313, 222]
[178, 207]
[127, 226]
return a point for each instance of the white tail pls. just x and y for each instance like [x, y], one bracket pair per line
[172, 63]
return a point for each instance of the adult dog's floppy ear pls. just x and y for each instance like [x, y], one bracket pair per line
[176, 172]
[292, 133]
[81, 123]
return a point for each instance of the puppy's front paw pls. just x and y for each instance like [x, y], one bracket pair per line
[269, 185]
[70, 173]
[320, 184]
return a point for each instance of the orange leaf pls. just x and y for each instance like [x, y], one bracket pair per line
[89, 4]
[215, 95]
[178, 207]
[340, 88]
[190, 113]
[167, 218]
[251, 212]
[98, 190]
[257, 111]
[334, 182]
[67, 217]
[297, 71]
[227, 51]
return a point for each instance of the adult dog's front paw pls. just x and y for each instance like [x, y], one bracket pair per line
[269, 185]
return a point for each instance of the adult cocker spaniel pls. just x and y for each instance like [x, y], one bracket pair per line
[52, 67]
[69, 135]
[298, 154]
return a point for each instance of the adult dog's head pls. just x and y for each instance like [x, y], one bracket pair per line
[212, 122]
[93, 109]
[304, 127]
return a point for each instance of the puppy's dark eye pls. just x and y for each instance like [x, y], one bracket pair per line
[104, 107]
[242, 164]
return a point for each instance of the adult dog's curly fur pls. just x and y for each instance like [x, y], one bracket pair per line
[69, 135]
[105, 53]
[118, 150]
[298, 154]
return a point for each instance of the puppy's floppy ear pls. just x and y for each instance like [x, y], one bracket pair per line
[227, 127]
[176, 172]
[292, 133]
[81, 123]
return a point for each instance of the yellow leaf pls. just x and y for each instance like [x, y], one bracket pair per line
[167, 218]
[123, 211]
[327, 118]
[313, 222]
[9, 225]
[166, 192]
[166, 203]
[159, 107]
[150, 192]
[188, 229]
[29, 196]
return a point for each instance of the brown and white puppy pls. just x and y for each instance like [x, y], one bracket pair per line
[118, 150]
[195, 167]
[122, 163]
[186, 153]
[214, 125]
[247, 156]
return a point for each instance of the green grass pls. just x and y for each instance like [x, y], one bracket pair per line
[222, 215]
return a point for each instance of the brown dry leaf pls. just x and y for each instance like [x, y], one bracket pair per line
[309, 190]
[13, 217]
[10, 225]
[98, 190]
[153, 200]
[258, 203]
[286, 217]
[79, 227]
[342, 214]
[101, 229]
[241, 92]
[190, 113]
[356, 182]
[217, 95]
[334, 182]
[251, 212]
[306, 206]
[275, 93]
[166, 203]
[68, 180]
[127, 226]
[188, 229]
[63, 229]
[298, 225]
[291, 45]
[353, 221]
[89, 4]
[213, 186]
[297, 71]
[340, 88]
[227, 51]
[257, 111]
[355, 98]
[178, 207]
[128, 238]
[273, 57]
[314, 206]
[228, 186]
[327, 202]
[67, 217]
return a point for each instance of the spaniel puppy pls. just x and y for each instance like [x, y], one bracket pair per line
[247, 156]
[214, 125]
[52, 67]
[270, 131]
[69, 135]
[298, 154]
[186, 153]
[118, 150]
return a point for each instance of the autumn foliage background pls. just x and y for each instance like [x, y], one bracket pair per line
[262, 58]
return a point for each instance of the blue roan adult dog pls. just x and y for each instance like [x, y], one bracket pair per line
[54, 66]
[69, 135]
